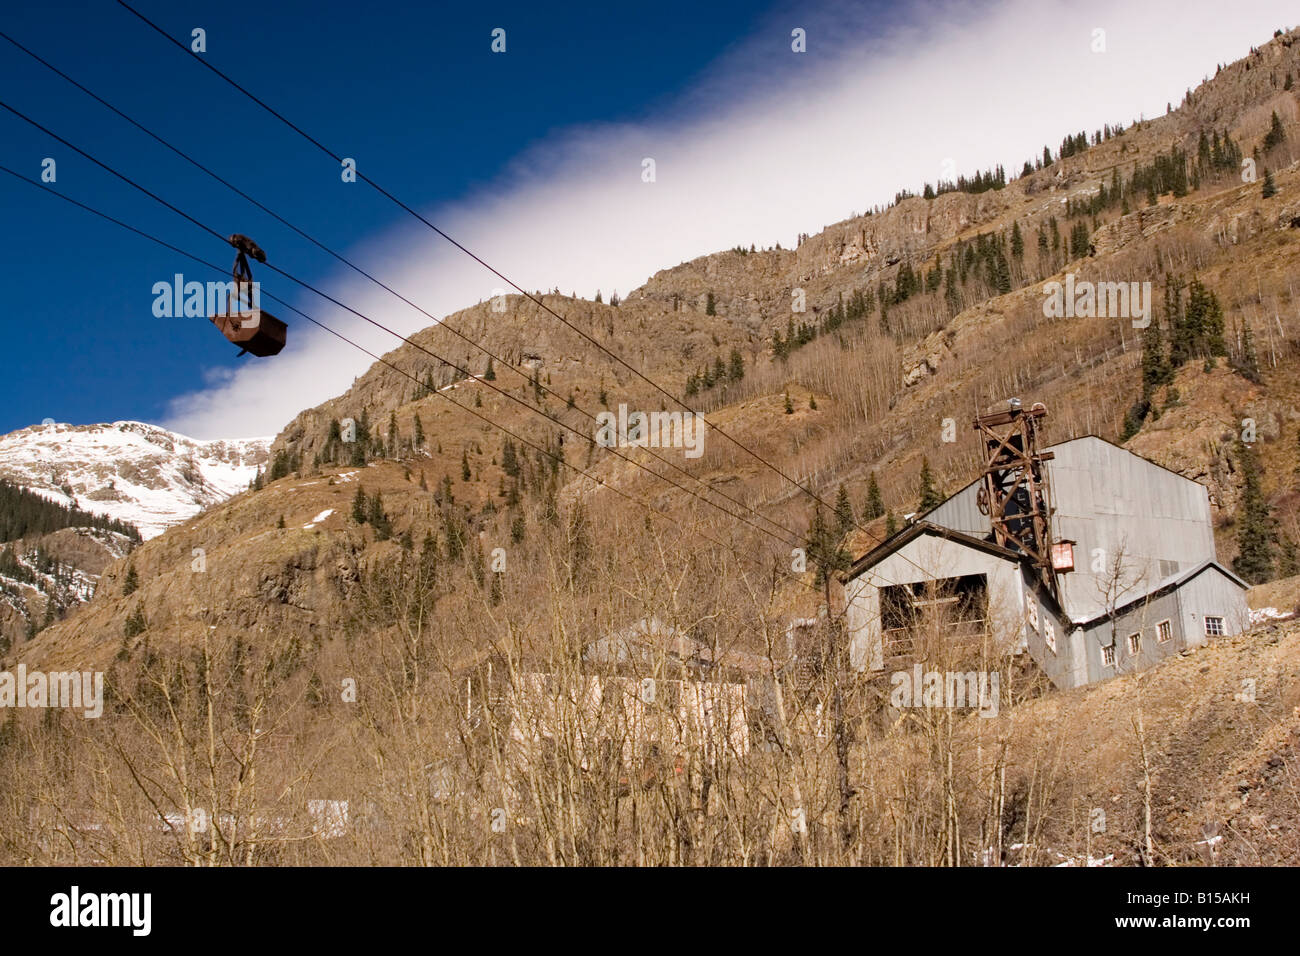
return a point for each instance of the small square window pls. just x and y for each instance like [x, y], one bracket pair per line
[1164, 632]
[1108, 655]
[1049, 635]
[1135, 643]
[1033, 612]
[1213, 626]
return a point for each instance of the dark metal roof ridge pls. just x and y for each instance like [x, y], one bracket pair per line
[915, 530]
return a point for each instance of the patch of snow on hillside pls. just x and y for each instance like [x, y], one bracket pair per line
[318, 519]
[1260, 615]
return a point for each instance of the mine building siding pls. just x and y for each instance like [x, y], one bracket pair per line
[989, 582]
[1183, 613]
[1112, 504]
[1145, 585]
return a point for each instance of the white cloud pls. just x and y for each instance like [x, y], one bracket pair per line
[745, 158]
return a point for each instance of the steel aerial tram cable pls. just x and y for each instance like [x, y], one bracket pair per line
[381, 326]
[496, 358]
[308, 286]
[492, 269]
[559, 459]
[208, 229]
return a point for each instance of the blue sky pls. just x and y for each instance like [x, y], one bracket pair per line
[533, 156]
[412, 90]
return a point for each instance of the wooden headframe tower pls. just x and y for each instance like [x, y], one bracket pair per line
[1015, 493]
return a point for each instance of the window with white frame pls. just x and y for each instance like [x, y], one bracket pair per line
[1049, 634]
[1108, 654]
[1032, 608]
[1135, 643]
[1164, 632]
[1213, 626]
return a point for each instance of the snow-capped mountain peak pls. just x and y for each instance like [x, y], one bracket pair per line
[131, 471]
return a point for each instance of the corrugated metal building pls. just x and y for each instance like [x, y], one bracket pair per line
[1146, 583]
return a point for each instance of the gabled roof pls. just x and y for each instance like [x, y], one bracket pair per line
[914, 531]
[1127, 451]
[1059, 444]
[1176, 580]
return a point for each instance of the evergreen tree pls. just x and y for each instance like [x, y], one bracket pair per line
[1002, 274]
[709, 306]
[934, 278]
[845, 519]
[891, 524]
[281, 466]
[1256, 531]
[419, 433]
[135, 623]
[1133, 419]
[875, 506]
[131, 582]
[736, 371]
[1017, 241]
[1269, 189]
[1196, 331]
[1080, 241]
[1276, 134]
[1247, 366]
[779, 348]
[491, 374]
[931, 496]
[904, 283]
[360, 506]
[951, 297]
[825, 547]
[1156, 370]
[789, 406]
[464, 466]
[1205, 318]
[379, 518]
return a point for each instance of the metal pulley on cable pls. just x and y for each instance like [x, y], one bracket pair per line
[245, 322]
